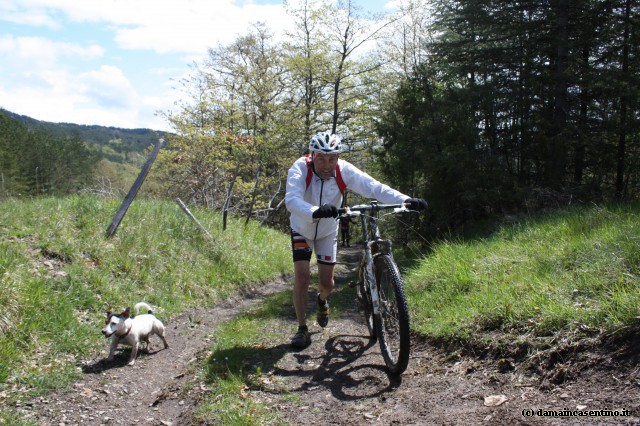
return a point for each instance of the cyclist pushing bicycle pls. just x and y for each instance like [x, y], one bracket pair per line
[315, 187]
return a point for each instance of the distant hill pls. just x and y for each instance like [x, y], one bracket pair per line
[112, 142]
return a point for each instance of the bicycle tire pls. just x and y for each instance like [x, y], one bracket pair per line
[364, 298]
[392, 324]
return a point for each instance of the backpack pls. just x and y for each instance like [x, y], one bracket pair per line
[341, 185]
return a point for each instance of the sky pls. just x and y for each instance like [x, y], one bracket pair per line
[116, 62]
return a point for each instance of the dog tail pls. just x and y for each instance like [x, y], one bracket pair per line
[143, 305]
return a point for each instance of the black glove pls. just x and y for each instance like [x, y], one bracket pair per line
[325, 210]
[415, 204]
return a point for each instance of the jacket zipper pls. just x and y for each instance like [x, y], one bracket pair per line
[320, 202]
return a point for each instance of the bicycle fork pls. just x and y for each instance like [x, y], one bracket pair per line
[369, 277]
[373, 288]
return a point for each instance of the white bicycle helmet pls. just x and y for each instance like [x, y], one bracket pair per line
[325, 143]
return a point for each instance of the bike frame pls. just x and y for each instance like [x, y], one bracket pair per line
[372, 243]
[386, 313]
[368, 278]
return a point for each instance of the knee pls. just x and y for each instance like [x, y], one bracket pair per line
[327, 283]
[303, 280]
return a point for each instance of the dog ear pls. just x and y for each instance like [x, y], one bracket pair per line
[126, 313]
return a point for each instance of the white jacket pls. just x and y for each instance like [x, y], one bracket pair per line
[302, 201]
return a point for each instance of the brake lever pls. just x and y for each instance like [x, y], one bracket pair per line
[403, 209]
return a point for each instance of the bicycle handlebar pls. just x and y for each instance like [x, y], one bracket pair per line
[358, 209]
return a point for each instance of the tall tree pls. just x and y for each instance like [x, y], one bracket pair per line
[623, 133]
[308, 60]
[38, 162]
[249, 74]
[550, 93]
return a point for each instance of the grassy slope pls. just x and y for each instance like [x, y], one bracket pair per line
[576, 270]
[59, 274]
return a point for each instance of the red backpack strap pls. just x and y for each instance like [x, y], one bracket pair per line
[309, 170]
[339, 180]
[341, 185]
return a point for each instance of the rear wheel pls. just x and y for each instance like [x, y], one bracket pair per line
[393, 322]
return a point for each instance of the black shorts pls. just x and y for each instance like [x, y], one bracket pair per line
[326, 248]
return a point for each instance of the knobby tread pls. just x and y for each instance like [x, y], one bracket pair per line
[397, 359]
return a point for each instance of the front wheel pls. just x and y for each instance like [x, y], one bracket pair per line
[364, 298]
[393, 322]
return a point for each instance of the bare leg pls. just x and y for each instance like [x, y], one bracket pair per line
[325, 275]
[302, 279]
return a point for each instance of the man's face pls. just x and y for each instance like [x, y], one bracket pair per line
[325, 164]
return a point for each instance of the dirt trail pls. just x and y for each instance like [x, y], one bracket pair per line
[340, 380]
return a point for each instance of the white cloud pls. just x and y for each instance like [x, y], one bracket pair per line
[108, 87]
[14, 12]
[56, 68]
[196, 26]
[393, 4]
[34, 52]
[102, 96]
[67, 101]
[159, 25]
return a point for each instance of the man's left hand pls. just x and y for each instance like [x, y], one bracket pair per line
[416, 204]
[325, 210]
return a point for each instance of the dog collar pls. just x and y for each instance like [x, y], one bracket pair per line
[128, 331]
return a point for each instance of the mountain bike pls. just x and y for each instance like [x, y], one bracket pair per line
[380, 290]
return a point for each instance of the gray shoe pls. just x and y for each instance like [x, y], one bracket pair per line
[323, 313]
[301, 339]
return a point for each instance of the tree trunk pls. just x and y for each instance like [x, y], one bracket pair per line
[556, 160]
[578, 169]
[253, 195]
[225, 208]
[622, 136]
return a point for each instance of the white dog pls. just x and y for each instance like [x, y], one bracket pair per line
[131, 331]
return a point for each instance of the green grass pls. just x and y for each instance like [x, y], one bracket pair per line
[576, 270]
[59, 273]
[243, 359]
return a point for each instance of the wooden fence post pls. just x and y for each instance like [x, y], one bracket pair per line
[111, 230]
[253, 195]
[188, 212]
[225, 208]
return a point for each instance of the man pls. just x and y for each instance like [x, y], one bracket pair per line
[345, 222]
[315, 184]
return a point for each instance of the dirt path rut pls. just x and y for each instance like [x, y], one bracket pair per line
[340, 380]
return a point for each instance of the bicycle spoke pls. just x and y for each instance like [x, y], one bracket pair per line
[393, 333]
[389, 314]
[380, 285]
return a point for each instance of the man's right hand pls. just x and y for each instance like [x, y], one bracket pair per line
[325, 210]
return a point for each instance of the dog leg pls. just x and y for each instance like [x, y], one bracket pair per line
[158, 330]
[112, 347]
[160, 334]
[166, 345]
[134, 353]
